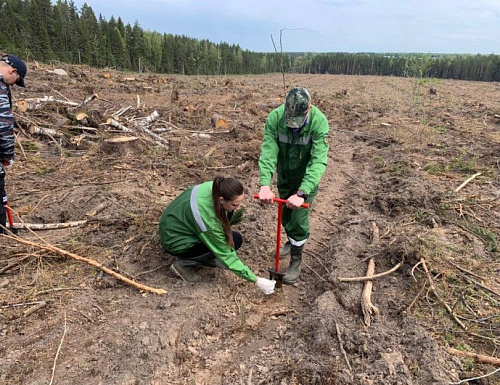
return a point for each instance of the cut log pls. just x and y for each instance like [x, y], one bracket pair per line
[35, 308]
[32, 104]
[89, 99]
[113, 123]
[121, 139]
[219, 122]
[149, 119]
[48, 226]
[96, 210]
[146, 121]
[43, 131]
[82, 118]
[22, 105]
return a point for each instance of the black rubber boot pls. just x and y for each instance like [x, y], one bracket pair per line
[293, 271]
[285, 250]
[184, 269]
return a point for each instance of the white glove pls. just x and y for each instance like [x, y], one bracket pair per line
[266, 285]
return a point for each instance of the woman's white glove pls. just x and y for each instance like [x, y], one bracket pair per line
[266, 285]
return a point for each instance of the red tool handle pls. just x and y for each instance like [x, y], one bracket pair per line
[9, 215]
[278, 229]
[279, 200]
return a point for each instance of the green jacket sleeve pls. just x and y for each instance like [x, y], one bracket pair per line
[216, 242]
[319, 151]
[269, 150]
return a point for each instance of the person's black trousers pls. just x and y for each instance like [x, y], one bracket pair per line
[200, 254]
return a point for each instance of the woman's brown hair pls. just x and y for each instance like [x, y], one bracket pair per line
[229, 189]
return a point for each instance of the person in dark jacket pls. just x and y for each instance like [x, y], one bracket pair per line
[195, 227]
[295, 145]
[12, 71]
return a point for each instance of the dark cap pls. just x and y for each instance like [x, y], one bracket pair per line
[19, 65]
[297, 104]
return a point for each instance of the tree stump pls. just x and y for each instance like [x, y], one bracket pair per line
[219, 122]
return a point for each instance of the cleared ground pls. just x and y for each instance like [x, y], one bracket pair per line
[400, 150]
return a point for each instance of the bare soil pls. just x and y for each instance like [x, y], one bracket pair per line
[399, 148]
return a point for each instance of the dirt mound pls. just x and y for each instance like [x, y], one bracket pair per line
[390, 194]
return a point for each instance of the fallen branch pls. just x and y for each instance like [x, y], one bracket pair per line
[362, 279]
[48, 226]
[89, 99]
[149, 119]
[481, 358]
[14, 264]
[142, 126]
[465, 270]
[121, 139]
[416, 297]
[367, 307]
[341, 347]
[466, 182]
[20, 304]
[35, 308]
[431, 283]
[474, 378]
[314, 271]
[58, 351]
[96, 264]
[482, 286]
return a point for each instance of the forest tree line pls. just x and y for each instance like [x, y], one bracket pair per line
[43, 31]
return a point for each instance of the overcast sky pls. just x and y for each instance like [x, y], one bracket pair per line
[435, 26]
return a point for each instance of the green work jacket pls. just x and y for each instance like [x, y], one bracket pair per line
[189, 219]
[300, 161]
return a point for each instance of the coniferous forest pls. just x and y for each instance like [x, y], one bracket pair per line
[50, 32]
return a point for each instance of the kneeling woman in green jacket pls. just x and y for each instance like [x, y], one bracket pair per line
[195, 228]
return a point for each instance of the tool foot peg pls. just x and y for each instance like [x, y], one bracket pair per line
[277, 276]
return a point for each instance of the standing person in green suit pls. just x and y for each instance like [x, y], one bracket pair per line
[295, 145]
[196, 229]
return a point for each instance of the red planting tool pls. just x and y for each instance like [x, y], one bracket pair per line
[275, 273]
[12, 229]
